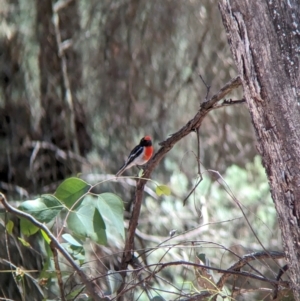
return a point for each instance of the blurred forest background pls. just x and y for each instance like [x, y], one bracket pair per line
[83, 81]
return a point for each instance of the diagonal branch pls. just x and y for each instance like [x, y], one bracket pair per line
[247, 258]
[166, 146]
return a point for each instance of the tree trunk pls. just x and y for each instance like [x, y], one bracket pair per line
[63, 121]
[264, 37]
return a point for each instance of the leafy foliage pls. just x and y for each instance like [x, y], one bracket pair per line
[87, 216]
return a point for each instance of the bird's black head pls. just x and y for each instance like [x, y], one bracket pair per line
[146, 141]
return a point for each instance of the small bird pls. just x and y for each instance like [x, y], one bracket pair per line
[140, 155]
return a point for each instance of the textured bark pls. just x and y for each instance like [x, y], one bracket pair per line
[264, 37]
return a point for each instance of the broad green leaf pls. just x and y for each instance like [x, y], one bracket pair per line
[71, 240]
[46, 237]
[10, 226]
[86, 221]
[111, 209]
[27, 227]
[162, 189]
[114, 280]
[44, 209]
[71, 190]
[24, 242]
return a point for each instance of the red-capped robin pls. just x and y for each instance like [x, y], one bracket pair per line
[140, 155]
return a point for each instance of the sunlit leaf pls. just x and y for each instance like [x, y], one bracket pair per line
[46, 237]
[71, 190]
[10, 226]
[162, 190]
[44, 209]
[27, 227]
[24, 242]
[141, 172]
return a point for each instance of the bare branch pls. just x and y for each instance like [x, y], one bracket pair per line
[58, 271]
[227, 273]
[281, 272]
[166, 146]
[246, 259]
[206, 85]
[37, 145]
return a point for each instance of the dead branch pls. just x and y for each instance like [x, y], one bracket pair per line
[166, 146]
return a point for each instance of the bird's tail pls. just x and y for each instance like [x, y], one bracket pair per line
[121, 170]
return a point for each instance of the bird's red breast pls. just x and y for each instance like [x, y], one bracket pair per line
[148, 152]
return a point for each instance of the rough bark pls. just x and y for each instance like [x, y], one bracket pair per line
[264, 37]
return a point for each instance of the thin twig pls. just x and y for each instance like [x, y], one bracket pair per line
[199, 168]
[280, 273]
[58, 271]
[12, 187]
[206, 85]
[193, 189]
[237, 202]
[71, 129]
[160, 266]
[37, 145]
[246, 259]
[10, 262]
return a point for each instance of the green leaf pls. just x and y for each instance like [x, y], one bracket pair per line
[114, 280]
[77, 253]
[44, 209]
[27, 227]
[9, 227]
[74, 294]
[111, 208]
[46, 237]
[162, 189]
[71, 190]
[158, 298]
[141, 172]
[202, 258]
[71, 240]
[24, 242]
[86, 221]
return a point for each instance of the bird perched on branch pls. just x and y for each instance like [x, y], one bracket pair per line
[140, 155]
